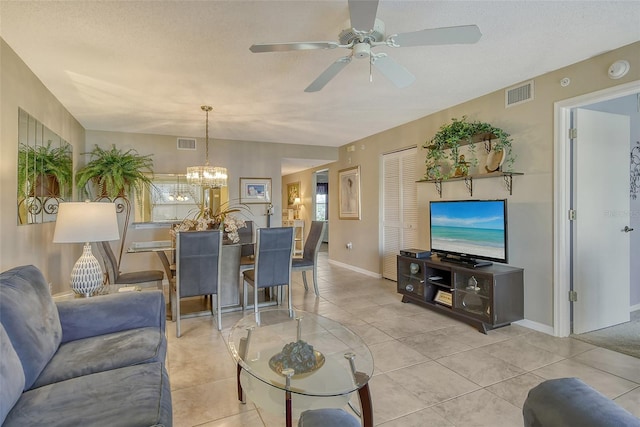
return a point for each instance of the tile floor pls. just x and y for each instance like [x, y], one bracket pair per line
[430, 370]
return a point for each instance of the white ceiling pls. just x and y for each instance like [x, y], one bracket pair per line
[147, 66]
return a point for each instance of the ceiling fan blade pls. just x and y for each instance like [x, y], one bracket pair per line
[464, 34]
[396, 73]
[328, 74]
[286, 47]
[363, 14]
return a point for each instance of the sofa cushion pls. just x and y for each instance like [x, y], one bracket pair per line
[89, 317]
[104, 352]
[11, 375]
[30, 318]
[132, 396]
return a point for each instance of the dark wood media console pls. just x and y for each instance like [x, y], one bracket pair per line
[485, 297]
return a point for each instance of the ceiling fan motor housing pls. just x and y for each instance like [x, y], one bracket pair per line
[348, 35]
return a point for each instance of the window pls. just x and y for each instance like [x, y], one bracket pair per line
[322, 202]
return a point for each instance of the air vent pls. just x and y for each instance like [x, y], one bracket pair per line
[518, 94]
[186, 144]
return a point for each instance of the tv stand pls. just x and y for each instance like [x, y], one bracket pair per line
[486, 298]
[468, 262]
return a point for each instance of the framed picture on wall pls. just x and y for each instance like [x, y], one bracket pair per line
[349, 193]
[293, 193]
[255, 190]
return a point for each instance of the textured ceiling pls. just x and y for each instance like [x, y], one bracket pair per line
[147, 66]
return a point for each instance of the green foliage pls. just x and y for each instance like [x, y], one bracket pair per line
[44, 160]
[455, 134]
[116, 172]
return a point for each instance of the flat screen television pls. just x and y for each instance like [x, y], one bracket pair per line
[471, 232]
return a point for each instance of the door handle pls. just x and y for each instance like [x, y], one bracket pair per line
[627, 229]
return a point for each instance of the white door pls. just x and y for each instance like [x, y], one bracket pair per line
[399, 207]
[601, 249]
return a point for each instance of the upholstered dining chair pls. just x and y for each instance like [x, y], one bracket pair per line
[198, 269]
[115, 277]
[309, 260]
[272, 267]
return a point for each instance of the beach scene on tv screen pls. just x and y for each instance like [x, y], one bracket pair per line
[472, 228]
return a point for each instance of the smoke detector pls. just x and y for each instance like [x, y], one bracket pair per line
[618, 69]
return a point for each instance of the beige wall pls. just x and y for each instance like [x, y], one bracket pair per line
[530, 206]
[30, 244]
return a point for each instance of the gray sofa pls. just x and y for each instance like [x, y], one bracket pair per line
[566, 402]
[84, 362]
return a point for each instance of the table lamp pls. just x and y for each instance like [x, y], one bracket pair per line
[86, 222]
[296, 204]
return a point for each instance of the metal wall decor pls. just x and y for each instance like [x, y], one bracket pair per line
[634, 171]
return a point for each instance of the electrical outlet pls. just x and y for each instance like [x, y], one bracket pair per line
[349, 245]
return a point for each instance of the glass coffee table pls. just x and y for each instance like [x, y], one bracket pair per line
[301, 361]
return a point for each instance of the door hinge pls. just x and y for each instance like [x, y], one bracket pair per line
[573, 133]
[573, 296]
[572, 214]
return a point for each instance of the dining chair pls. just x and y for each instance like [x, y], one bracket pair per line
[198, 269]
[309, 260]
[245, 234]
[115, 277]
[272, 267]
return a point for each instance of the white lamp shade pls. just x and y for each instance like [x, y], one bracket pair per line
[86, 222]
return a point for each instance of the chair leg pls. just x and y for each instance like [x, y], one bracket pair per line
[245, 297]
[177, 298]
[304, 280]
[173, 303]
[290, 298]
[315, 281]
[218, 309]
[255, 299]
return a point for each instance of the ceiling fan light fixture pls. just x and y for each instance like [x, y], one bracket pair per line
[362, 50]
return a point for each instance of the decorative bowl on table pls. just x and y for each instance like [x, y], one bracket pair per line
[299, 356]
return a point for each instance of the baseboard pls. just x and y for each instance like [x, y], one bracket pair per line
[356, 269]
[634, 307]
[540, 327]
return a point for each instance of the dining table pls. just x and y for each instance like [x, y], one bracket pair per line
[233, 263]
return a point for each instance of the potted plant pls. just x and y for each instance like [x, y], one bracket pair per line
[455, 134]
[115, 172]
[44, 170]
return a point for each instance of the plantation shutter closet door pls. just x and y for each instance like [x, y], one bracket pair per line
[399, 207]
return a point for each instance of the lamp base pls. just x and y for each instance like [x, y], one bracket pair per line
[86, 276]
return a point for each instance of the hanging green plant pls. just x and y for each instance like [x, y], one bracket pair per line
[116, 172]
[456, 134]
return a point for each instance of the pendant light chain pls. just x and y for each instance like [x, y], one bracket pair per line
[206, 109]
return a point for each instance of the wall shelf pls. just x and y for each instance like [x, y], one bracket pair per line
[468, 180]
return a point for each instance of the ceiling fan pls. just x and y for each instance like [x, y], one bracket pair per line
[367, 32]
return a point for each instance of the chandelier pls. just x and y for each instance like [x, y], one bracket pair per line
[207, 176]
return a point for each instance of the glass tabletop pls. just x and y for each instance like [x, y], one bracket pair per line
[321, 357]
